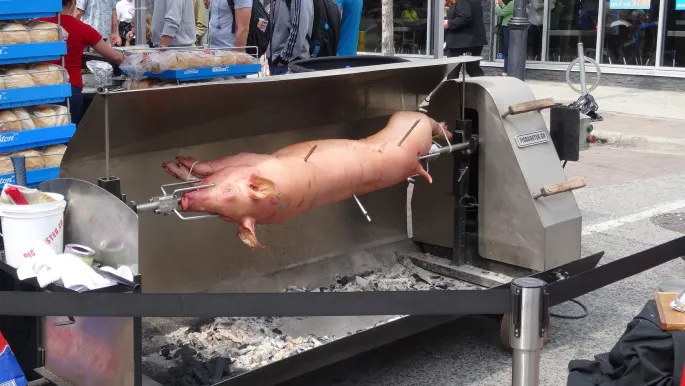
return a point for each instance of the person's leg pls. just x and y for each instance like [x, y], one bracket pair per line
[76, 105]
[473, 68]
[451, 53]
[505, 54]
[277, 70]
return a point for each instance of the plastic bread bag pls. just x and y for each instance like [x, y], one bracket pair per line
[16, 76]
[44, 32]
[45, 74]
[52, 155]
[14, 33]
[135, 66]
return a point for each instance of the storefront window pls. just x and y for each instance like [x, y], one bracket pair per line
[410, 27]
[674, 43]
[630, 32]
[570, 22]
[536, 11]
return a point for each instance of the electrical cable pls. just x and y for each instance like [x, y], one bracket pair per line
[564, 165]
[573, 317]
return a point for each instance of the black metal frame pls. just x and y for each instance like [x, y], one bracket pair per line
[567, 282]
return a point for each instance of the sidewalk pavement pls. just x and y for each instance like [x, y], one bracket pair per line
[638, 119]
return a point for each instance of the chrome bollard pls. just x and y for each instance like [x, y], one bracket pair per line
[527, 327]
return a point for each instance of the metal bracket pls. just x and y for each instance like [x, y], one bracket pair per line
[70, 320]
[544, 313]
[516, 311]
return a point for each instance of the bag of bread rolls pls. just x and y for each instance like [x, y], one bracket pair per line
[227, 58]
[24, 118]
[142, 84]
[44, 116]
[6, 166]
[185, 60]
[34, 160]
[9, 122]
[243, 58]
[62, 115]
[52, 155]
[14, 33]
[42, 32]
[45, 74]
[17, 77]
[206, 58]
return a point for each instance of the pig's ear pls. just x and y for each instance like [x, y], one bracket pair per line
[246, 233]
[260, 188]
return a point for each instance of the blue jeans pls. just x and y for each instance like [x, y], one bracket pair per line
[505, 54]
[277, 70]
[75, 105]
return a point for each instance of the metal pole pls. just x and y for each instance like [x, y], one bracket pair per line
[518, 40]
[581, 63]
[527, 329]
[107, 172]
[140, 8]
[438, 28]
[387, 29]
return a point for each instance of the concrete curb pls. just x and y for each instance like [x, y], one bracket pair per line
[641, 142]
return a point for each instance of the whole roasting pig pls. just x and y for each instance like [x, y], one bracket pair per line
[254, 189]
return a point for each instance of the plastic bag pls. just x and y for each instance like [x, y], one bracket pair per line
[135, 66]
[10, 372]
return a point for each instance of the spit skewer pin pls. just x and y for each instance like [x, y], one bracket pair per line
[362, 207]
[409, 132]
[310, 153]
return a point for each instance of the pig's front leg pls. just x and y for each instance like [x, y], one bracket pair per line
[187, 168]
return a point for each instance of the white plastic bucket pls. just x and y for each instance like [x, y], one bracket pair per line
[24, 226]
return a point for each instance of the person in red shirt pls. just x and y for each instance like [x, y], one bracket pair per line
[81, 35]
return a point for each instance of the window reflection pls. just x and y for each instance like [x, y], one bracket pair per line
[570, 22]
[674, 43]
[410, 26]
[630, 32]
[536, 11]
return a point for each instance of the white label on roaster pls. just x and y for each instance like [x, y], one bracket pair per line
[530, 139]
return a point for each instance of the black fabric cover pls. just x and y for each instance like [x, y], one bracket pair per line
[644, 355]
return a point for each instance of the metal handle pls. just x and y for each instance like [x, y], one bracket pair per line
[70, 320]
[19, 163]
[527, 107]
[567, 186]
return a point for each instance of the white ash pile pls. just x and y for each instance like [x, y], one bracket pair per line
[403, 276]
[217, 349]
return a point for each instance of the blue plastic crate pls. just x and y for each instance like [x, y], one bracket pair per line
[33, 177]
[208, 72]
[29, 96]
[28, 9]
[20, 140]
[31, 52]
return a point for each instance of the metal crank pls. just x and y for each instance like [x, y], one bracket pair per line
[170, 202]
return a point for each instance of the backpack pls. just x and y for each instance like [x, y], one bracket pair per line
[259, 34]
[325, 29]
